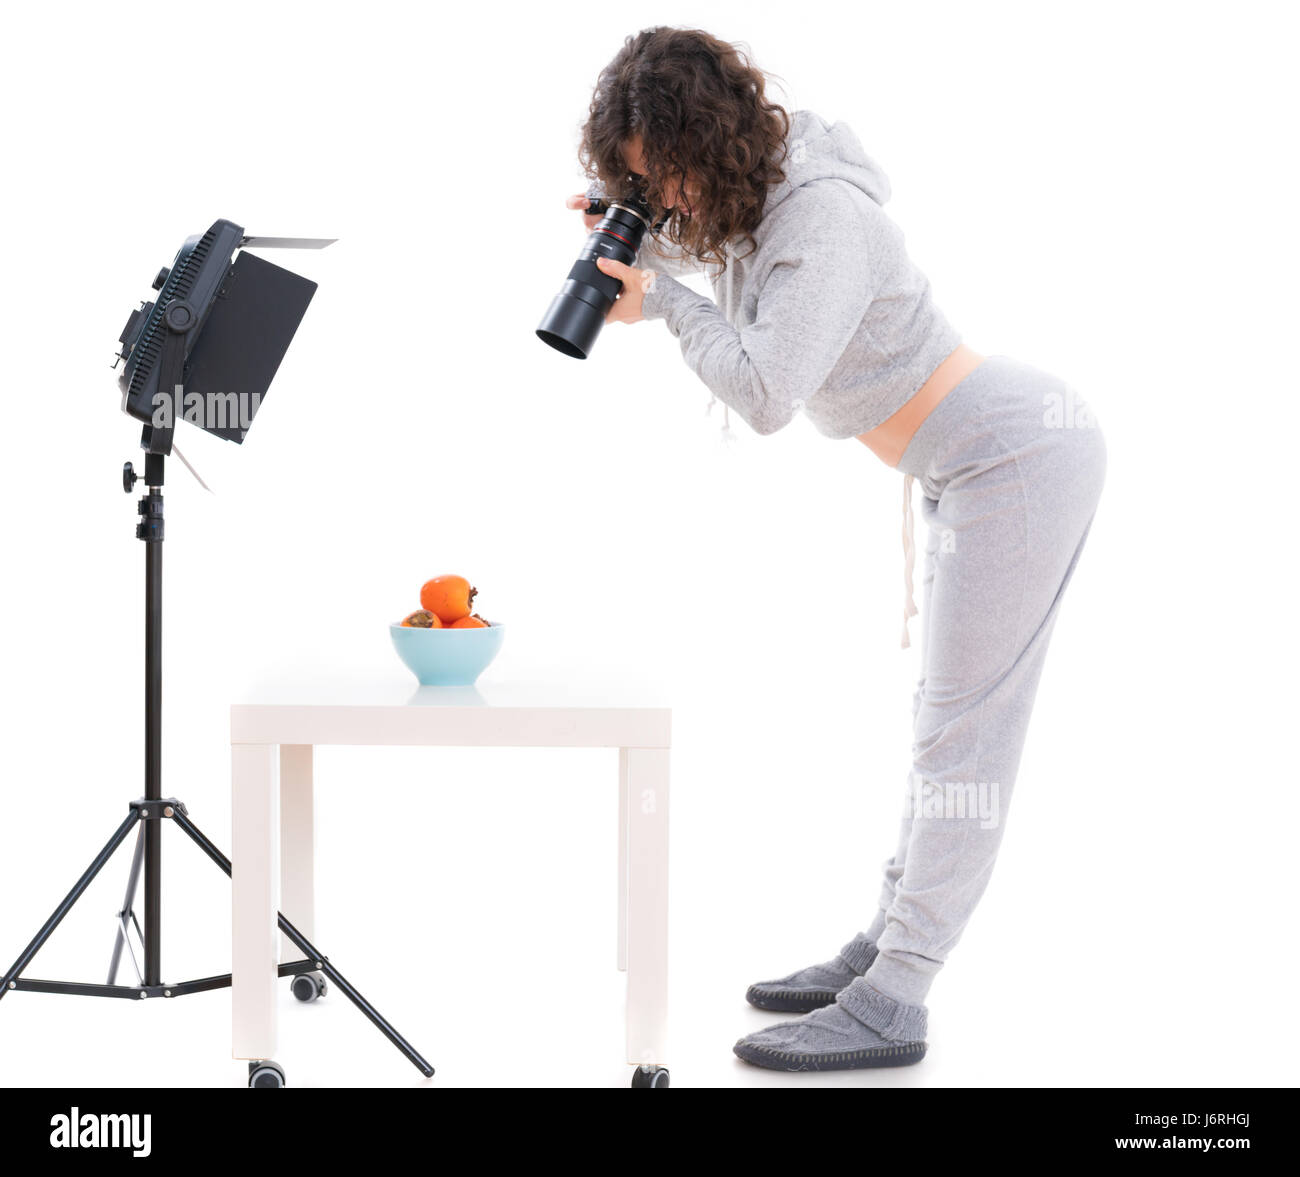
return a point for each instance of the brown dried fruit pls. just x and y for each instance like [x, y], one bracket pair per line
[423, 619]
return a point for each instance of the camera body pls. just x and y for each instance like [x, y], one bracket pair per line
[577, 313]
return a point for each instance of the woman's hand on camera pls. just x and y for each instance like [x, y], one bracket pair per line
[636, 285]
[580, 201]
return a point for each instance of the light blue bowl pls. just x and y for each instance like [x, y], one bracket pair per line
[447, 657]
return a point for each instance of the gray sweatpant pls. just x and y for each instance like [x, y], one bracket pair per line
[1011, 463]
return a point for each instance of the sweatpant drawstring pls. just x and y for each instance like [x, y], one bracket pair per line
[909, 557]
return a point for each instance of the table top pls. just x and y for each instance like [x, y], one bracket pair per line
[567, 707]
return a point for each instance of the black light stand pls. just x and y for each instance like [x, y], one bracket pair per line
[151, 810]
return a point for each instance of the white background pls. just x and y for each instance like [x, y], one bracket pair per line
[1105, 191]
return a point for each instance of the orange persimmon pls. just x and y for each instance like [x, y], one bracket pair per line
[423, 619]
[473, 621]
[448, 597]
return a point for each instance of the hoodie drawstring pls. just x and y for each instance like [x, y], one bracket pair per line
[726, 433]
[909, 557]
[909, 527]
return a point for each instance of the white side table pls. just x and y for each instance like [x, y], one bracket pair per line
[273, 733]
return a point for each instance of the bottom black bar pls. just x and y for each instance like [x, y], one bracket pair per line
[1020, 1124]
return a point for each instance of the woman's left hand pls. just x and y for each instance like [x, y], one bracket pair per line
[636, 285]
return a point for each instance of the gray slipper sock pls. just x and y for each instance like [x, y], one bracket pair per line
[861, 1028]
[815, 986]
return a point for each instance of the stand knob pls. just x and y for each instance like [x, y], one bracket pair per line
[129, 477]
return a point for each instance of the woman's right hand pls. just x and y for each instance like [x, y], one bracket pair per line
[580, 201]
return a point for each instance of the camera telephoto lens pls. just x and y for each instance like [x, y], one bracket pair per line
[577, 313]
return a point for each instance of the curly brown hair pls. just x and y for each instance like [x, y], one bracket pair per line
[700, 109]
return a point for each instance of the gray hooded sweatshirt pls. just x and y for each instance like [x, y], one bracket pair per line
[827, 315]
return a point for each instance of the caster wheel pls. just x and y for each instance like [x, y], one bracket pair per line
[265, 1073]
[650, 1077]
[308, 986]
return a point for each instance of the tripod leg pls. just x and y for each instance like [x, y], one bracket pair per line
[127, 915]
[310, 951]
[66, 906]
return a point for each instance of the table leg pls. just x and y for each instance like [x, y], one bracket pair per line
[622, 859]
[647, 905]
[297, 845]
[255, 879]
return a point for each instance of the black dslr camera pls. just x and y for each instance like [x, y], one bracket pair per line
[577, 313]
